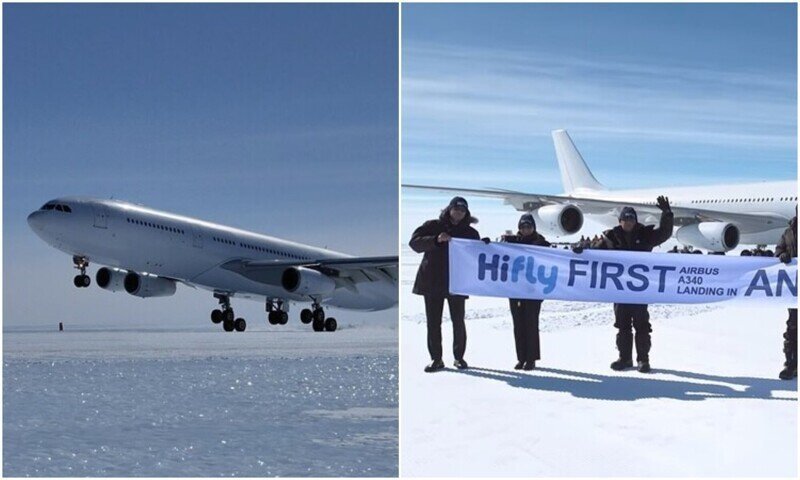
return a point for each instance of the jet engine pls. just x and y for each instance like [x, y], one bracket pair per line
[558, 219]
[714, 236]
[307, 281]
[111, 280]
[146, 286]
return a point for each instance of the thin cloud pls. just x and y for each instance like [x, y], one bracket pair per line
[479, 96]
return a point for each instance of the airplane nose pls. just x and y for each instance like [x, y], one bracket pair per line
[35, 221]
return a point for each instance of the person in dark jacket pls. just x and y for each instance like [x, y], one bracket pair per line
[525, 312]
[632, 235]
[786, 251]
[433, 282]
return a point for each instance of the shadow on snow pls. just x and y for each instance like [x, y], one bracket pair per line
[638, 386]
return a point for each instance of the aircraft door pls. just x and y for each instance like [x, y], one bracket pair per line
[197, 237]
[100, 216]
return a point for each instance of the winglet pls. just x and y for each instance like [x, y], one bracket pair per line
[575, 175]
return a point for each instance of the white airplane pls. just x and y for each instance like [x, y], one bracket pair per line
[147, 252]
[713, 217]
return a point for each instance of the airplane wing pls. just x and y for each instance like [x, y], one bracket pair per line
[345, 271]
[526, 202]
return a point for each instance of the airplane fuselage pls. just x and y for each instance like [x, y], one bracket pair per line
[768, 198]
[147, 241]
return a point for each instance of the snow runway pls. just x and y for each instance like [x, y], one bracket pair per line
[713, 405]
[203, 403]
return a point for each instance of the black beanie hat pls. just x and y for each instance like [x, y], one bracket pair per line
[458, 202]
[526, 218]
[628, 213]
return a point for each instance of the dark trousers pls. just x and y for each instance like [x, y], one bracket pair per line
[433, 311]
[636, 316]
[790, 339]
[525, 314]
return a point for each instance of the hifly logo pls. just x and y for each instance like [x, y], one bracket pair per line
[521, 268]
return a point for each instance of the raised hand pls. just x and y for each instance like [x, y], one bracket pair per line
[663, 204]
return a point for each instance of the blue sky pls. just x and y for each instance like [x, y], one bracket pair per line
[659, 94]
[281, 119]
[696, 92]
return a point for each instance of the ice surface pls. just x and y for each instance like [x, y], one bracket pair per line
[191, 403]
[713, 405]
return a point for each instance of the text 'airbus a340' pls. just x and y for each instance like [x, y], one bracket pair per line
[713, 217]
[147, 252]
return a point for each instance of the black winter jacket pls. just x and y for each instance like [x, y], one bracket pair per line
[433, 276]
[788, 241]
[641, 239]
[534, 239]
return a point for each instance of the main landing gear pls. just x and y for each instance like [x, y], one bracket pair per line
[279, 315]
[277, 312]
[316, 317]
[82, 280]
[226, 315]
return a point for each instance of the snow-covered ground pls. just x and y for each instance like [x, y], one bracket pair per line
[201, 402]
[712, 406]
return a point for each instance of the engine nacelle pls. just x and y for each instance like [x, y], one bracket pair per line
[306, 281]
[714, 236]
[111, 280]
[559, 219]
[146, 286]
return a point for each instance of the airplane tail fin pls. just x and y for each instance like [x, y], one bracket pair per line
[574, 172]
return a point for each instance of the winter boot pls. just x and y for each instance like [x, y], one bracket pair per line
[643, 366]
[435, 366]
[529, 365]
[460, 364]
[519, 365]
[621, 364]
[788, 373]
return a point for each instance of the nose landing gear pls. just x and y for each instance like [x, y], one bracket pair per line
[82, 280]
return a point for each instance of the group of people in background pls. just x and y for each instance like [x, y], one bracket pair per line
[632, 321]
[759, 251]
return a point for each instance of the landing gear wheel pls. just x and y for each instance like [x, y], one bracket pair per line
[82, 281]
[216, 316]
[306, 316]
[330, 325]
[283, 319]
[319, 313]
[228, 314]
[240, 324]
[273, 317]
[318, 325]
[227, 325]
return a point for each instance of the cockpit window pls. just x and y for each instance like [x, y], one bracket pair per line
[59, 207]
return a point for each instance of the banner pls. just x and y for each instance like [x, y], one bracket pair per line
[523, 271]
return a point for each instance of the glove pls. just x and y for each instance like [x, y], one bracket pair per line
[486, 240]
[785, 257]
[577, 249]
[663, 204]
